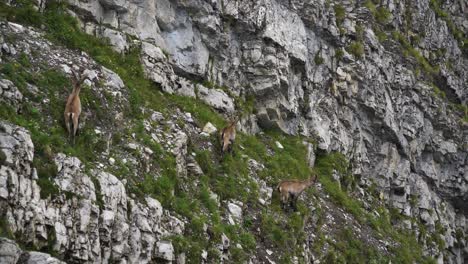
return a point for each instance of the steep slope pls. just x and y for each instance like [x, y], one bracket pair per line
[144, 183]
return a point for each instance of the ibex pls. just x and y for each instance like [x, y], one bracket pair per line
[228, 135]
[290, 190]
[73, 107]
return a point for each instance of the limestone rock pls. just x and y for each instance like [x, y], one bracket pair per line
[235, 211]
[209, 128]
[116, 38]
[9, 251]
[216, 98]
[10, 94]
[165, 251]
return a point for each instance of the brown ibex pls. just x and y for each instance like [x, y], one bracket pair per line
[228, 135]
[290, 190]
[73, 106]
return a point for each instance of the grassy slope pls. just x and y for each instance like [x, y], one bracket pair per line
[282, 231]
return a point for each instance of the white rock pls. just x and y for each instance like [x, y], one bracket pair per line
[225, 241]
[41, 258]
[216, 98]
[164, 250]
[9, 251]
[111, 161]
[188, 117]
[16, 27]
[235, 211]
[209, 128]
[66, 69]
[117, 39]
[204, 134]
[132, 146]
[148, 151]
[204, 254]
[112, 80]
[278, 145]
[157, 116]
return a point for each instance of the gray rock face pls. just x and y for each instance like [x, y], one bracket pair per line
[165, 251]
[216, 98]
[9, 251]
[39, 258]
[116, 38]
[71, 177]
[9, 94]
[157, 68]
[235, 212]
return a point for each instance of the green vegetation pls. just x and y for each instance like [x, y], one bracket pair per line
[359, 31]
[381, 14]
[339, 53]
[340, 14]
[5, 230]
[381, 35]
[456, 32]
[352, 250]
[46, 170]
[284, 236]
[371, 6]
[437, 92]
[464, 110]
[2, 158]
[409, 50]
[51, 241]
[356, 48]
[408, 249]
[23, 12]
[318, 59]
[97, 186]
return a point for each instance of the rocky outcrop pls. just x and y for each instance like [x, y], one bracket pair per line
[10, 94]
[119, 228]
[10, 253]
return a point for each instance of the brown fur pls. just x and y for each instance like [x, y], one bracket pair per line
[228, 135]
[73, 107]
[290, 190]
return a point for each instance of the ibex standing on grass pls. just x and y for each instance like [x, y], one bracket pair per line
[290, 190]
[228, 135]
[73, 107]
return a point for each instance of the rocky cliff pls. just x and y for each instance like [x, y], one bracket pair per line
[370, 95]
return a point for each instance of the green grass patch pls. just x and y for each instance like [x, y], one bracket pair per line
[381, 35]
[340, 14]
[380, 13]
[437, 92]
[318, 59]
[458, 34]
[5, 230]
[352, 250]
[426, 66]
[339, 54]
[408, 249]
[23, 12]
[356, 48]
